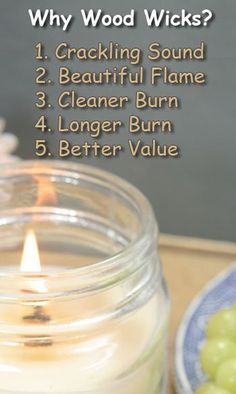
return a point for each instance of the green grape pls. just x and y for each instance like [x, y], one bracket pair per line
[214, 352]
[211, 388]
[223, 324]
[226, 375]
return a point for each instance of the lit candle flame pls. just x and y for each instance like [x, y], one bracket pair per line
[30, 261]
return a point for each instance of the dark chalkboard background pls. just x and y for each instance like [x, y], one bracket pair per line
[194, 195]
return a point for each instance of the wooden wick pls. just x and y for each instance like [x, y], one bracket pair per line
[38, 316]
[42, 342]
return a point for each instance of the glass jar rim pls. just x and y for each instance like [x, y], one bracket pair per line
[140, 243]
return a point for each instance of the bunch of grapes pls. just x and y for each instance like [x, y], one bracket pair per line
[218, 355]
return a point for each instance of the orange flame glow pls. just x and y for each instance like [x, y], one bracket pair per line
[46, 192]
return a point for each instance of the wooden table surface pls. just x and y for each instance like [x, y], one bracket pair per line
[188, 265]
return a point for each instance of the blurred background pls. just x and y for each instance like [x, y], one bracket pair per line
[194, 195]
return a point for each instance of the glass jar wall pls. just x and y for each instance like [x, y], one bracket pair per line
[92, 318]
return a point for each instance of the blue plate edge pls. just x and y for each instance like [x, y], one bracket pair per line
[181, 382]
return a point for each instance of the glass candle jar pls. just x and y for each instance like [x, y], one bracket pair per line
[83, 303]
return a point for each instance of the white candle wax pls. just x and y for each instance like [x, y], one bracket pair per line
[91, 364]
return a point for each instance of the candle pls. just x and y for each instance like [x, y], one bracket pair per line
[85, 311]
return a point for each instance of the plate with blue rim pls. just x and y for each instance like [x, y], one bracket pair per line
[218, 294]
